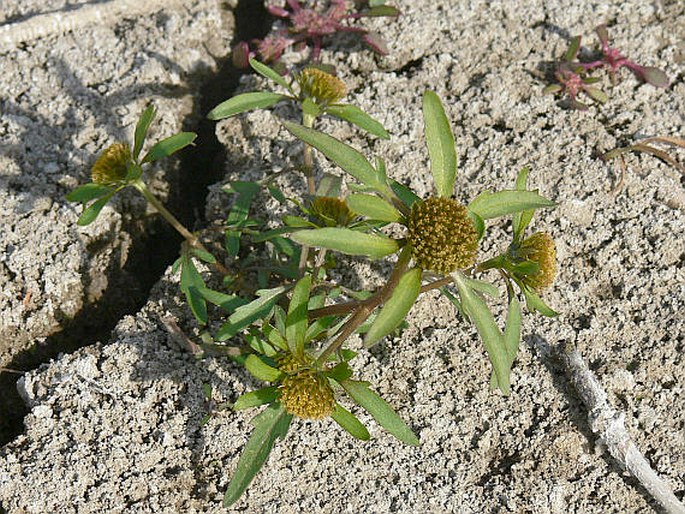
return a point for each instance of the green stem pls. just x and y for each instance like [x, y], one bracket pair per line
[499, 262]
[180, 228]
[308, 169]
[366, 308]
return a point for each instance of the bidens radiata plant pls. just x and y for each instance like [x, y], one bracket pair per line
[282, 315]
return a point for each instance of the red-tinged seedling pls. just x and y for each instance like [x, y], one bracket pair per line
[308, 24]
[572, 75]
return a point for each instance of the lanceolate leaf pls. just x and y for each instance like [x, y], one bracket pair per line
[347, 241]
[440, 141]
[349, 422]
[512, 335]
[535, 303]
[91, 212]
[88, 192]
[341, 154]
[520, 220]
[170, 145]
[142, 127]
[270, 74]
[245, 102]
[396, 308]
[261, 370]
[380, 410]
[373, 207]
[191, 283]
[256, 398]
[269, 425]
[359, 118]
[489, 205]
[405, 194]
[239, 212]
[487, 328]
[296, 320]
[246, 314]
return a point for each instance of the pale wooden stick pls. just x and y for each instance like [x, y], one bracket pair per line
[60, 22]
[608, 424]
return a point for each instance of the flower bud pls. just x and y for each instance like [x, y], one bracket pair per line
[442, 236]
[540, 249]
[333, 212]
[323, 88]
[112, 165]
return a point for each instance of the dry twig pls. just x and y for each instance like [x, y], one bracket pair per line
[60, 22]
[608, 424]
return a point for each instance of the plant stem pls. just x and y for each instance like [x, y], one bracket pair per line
[308, 169]
[340, 309]
[171, 219]
[365, 308]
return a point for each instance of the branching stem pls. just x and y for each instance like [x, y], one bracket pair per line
[365, 308]
[171, 219]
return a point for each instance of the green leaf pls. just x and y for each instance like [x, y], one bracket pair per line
[245, 102]
[341, 154]
[91, 212]
[347, 241]
[654, 76]
[406, 195]
[246, 314]
[310, 108]
[142, 127]
[380, 410]
[296, 321]
[440, 141]
[269, 425]
[382, 10]
[261, 370]
[482, 287]
[88, 192]
[552, 89]
[339, 372]
[396, 308]
[535, 303]
[478, 223]
[227, 302]
[270, 74]
[512, 336]
[239, 212]
[256, 398]
[349, 422]
[359, 118]
[487, 328]
[197, 303]
[573, 48]
[191, 283]
[373, 207]
[520, 220]
[203, 255]
[170, 145]
[329, 185]
[597, 94]
[489, 205]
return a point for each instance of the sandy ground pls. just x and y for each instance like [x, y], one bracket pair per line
[115, 427]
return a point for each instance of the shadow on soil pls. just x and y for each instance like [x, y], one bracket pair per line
[141, 272]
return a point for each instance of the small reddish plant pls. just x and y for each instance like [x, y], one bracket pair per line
[573, 77]
[307, 24]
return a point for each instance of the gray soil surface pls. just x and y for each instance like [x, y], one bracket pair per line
[116, 427]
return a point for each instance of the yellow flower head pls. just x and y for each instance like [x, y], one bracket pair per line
[323, 88]
[112, 165]
[442, 236]
[540, 249]
[307, 394]
[334, 212]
